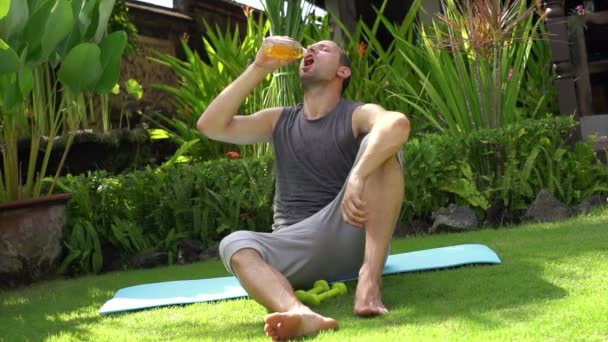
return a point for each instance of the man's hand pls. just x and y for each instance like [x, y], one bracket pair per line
[354, 208]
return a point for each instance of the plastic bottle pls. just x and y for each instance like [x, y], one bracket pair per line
[282, 48]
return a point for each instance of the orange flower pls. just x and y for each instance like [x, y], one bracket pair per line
[539, 9]
[247, 10]
[233, 154]
[362, 47]
[185, 36]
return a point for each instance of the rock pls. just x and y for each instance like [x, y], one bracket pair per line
[114, 259]
[189, 251]
[150, 259]
[591, 203]
[413, 227]
[547, 208]
[601, 148]
[495, 215]
[455, 218]
[211, 252]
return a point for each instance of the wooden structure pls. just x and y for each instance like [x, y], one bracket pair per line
[579, 45]
[160, 29]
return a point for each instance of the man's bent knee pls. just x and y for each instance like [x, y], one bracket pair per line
[232, 244]
[244, 257]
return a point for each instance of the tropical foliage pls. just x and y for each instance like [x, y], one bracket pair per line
[153, 209]
[52, 52]
[121, 21]
[201, 81]
[476, 55]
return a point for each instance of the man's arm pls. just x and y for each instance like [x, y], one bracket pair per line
[388, 131]
[220, 120]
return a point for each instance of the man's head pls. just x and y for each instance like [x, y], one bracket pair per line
[325, 63]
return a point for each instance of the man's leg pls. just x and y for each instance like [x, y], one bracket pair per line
[383, 193]
[271, 289]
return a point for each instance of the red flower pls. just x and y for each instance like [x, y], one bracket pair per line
[187, 111]
[247, 10]
[362, 47]
[233, 154]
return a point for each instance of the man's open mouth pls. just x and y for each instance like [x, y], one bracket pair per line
[309, 60]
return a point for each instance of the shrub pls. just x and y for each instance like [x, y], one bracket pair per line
[512, 163]
[154, 209]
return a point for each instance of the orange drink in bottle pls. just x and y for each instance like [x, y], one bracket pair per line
[282, 48]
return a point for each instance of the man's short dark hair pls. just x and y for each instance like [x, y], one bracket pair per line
[345, 61]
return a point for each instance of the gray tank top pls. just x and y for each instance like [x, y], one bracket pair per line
[312, 160]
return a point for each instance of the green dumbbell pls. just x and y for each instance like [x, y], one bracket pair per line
[310, 297]
[315, 298]
[337, 289]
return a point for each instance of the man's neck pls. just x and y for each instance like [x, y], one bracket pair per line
[319, 101]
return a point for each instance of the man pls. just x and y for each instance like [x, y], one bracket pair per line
[339, 190]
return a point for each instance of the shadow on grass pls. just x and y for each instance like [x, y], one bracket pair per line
[70, 306]
[79, 320]
[469, 292]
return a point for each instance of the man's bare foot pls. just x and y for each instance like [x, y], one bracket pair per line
[368, 300]
[292, 324]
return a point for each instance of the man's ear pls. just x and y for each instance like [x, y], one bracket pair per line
[344, 72]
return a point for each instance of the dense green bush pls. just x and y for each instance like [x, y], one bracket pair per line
[512, 163]
[154, 209]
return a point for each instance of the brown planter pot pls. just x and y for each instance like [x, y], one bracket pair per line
[31, 238]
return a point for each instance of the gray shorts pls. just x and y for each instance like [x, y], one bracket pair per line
[321, 246]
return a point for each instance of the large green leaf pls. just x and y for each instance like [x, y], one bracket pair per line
[112, 48]
[75, 36]
[81, 68]
[4, 6]
[89, 26]
[32, 33]
[86, 14]
[15, 22]
[10, 60]
[89, 30]
[26, 80]
[105, 11]
[34, 4]
[58, 26]
[10, 93]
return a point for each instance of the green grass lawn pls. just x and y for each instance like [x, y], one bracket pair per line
[552, 285]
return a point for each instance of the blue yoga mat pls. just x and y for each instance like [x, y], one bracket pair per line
[205, 290]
